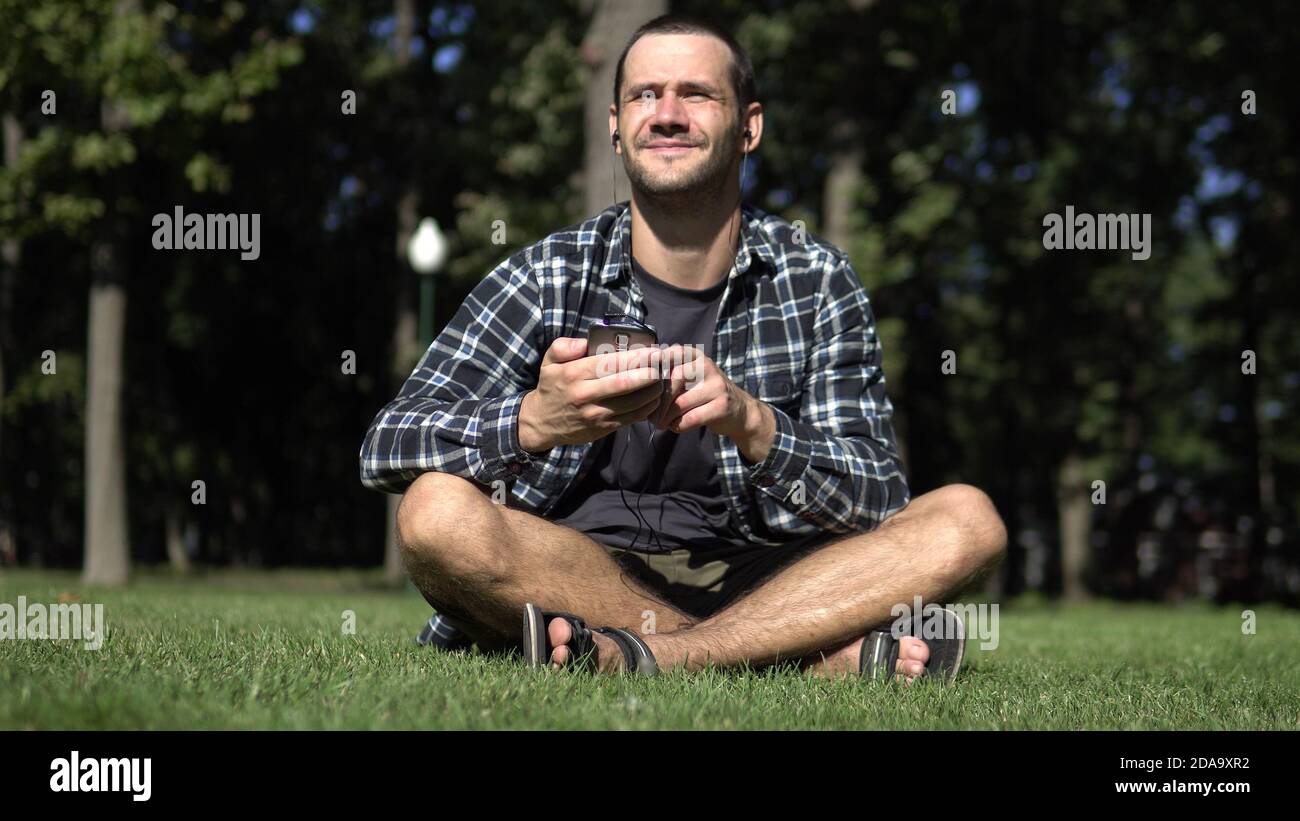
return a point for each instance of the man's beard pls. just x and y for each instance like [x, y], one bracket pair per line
[701, 182]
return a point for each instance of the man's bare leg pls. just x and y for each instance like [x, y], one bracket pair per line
[913, 653]
[487, 560]
[938, 544]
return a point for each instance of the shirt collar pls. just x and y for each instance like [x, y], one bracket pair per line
[753, 244]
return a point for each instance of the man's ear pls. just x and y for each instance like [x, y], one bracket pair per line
[752, 124]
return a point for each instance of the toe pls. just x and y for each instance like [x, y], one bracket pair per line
[909, 667]
[559, 633]
[912, 656]
[910, 647]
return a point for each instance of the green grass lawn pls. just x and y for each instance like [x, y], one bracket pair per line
[240, 651]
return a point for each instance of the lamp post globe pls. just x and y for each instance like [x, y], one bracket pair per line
[427, 248]
[427, 253]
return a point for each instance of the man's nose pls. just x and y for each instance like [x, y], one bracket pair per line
[669, 111]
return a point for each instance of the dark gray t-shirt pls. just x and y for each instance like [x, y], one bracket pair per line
[675, 477]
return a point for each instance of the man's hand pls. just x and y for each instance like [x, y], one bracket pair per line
[582, 398]
[701, 395]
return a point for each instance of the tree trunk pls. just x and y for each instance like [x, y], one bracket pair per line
[612, 24]
[406, 344]
[107, 552]
[843, 180]
[11, 251]
[177, 556]
[1074, 509]
[406, 352]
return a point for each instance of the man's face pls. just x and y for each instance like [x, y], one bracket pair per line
[677, 114]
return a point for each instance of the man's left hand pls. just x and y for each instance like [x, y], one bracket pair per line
[701, 395]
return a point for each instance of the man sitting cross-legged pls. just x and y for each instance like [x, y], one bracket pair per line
[750, 508]
[485, 561]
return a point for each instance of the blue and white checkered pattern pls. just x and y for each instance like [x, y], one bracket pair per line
[440, 633]
[795, 329]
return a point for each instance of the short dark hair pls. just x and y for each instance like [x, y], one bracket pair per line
[742, 70]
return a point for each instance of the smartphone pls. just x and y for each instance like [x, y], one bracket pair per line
[621, 332]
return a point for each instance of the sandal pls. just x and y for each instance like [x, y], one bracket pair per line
[879, 658]
[637, 657]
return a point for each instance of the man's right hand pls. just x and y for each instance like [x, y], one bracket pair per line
[582, 398]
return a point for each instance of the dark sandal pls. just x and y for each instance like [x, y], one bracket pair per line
[879, 658]
[637, 657]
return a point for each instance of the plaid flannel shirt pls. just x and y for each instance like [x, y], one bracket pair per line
[795, 330]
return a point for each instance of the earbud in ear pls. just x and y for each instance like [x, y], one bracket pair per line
[613, 140]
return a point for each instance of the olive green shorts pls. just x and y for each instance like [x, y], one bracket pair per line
[702, 583]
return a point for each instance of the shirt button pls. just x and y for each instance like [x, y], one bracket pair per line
[516, 468]
[766, 481]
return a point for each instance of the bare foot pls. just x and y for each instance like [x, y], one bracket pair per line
[609, 658]
[912, 656]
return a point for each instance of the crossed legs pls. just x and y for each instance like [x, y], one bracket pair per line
[485, 561]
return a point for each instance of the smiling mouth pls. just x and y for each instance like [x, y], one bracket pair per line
[669, 149]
